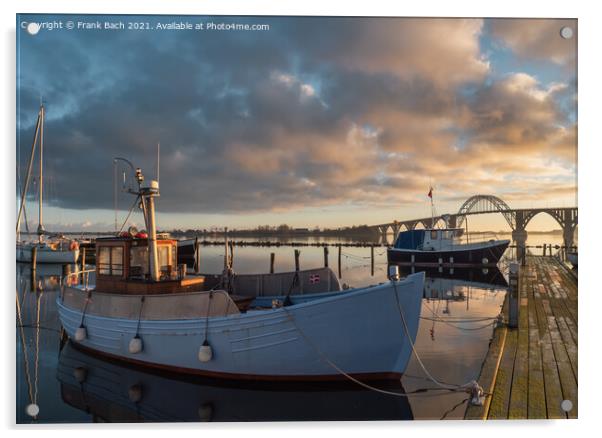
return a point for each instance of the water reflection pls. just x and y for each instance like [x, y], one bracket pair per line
[110, 392]
[451, 349]
[459, 310]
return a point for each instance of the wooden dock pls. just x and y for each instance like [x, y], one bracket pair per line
[530, 370]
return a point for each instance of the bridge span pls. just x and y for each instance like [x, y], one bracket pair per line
[517, 218]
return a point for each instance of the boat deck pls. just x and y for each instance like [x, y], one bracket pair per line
[530, 370]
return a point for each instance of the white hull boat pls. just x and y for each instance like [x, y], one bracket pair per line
[46, 254]
[61, 251]
[366, 332]
[145, 309]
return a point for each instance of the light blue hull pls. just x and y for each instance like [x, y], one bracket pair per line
[359, 331]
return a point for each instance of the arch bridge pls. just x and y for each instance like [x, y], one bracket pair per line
[517, 218]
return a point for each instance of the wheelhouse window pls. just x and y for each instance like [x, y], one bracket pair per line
[110, 260]
[433, 234]
[117, 260]
[164, 257]
[104, 260]
[139, 261]
[448, 234]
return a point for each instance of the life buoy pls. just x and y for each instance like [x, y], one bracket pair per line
[141, 235]
[73, 245]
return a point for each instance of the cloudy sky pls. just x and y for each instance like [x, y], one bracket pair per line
[314, 122]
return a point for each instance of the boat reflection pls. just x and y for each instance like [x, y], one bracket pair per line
[46, 277]
[454, 283]
[113, 392]
[487, 277]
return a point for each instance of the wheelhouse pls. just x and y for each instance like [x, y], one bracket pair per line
[123, 266]
[429, 239]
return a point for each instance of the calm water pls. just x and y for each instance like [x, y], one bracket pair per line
[70, 386]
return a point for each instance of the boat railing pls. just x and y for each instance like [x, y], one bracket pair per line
[66, 279]
[156, 307]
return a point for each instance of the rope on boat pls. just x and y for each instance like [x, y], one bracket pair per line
[134, 204]
[417, 393]
[472, 386]
[451, 321]
[89, 295]
[206, 341]
[139, 315]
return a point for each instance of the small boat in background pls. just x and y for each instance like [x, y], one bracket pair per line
[444, 247]
[59, 250]
[146, 310]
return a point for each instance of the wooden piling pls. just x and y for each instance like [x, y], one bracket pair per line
[231, 245]
[544, 249]
[83, 262]
[272, 260]
[339, 260]
[34, 258]
[197, 256]
[513, 296]
[297, 254]
[326, 257]
[372, 260]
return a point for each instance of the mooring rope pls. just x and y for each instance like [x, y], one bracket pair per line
[464, 386]
[417, 393]
[451, 321]
[139, 315]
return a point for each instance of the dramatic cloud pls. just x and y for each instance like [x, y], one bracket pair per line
[538, 38]
[314, 112]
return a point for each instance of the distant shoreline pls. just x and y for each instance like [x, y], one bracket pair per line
[249, 233]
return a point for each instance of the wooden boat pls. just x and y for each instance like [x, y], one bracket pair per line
[144, 311]
[444, 247]
[113, 392]
[60, 250]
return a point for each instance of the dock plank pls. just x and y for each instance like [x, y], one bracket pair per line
[536, 393]
[500, 400]
[520, 376]
[535, 368]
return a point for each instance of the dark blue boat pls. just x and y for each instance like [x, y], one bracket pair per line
[444, 247]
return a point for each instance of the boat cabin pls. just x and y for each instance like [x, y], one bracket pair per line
[123, 266]
[429, 239]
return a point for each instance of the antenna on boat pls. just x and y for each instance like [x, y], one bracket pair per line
[158, 159]
[146, 193]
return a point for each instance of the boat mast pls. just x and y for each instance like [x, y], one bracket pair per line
[41, 182]
[29, 169]
[148, 194]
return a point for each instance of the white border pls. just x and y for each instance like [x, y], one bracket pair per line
[590, 99]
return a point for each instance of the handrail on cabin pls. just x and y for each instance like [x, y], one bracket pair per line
[78, 273]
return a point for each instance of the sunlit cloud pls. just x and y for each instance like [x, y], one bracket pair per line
[321, 113]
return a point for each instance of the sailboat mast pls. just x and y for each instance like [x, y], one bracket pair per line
[41, 181]
[29, 168]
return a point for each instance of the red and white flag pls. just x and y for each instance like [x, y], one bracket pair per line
[430, 195]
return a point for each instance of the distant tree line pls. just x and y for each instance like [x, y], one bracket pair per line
[281, 230]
